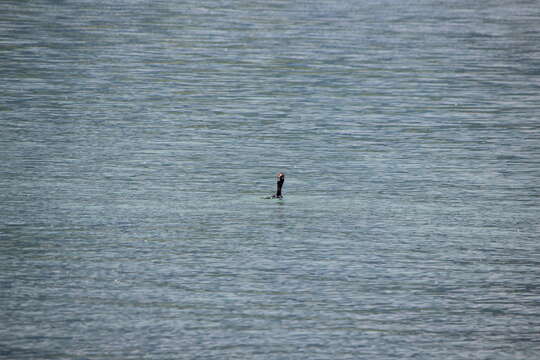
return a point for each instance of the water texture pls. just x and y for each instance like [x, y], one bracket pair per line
[138, 140]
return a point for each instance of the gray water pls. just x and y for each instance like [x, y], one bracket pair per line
[138, 140]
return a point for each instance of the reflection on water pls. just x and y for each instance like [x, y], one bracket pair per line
[138, 141]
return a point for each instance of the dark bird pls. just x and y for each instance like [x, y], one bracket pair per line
[280, 180]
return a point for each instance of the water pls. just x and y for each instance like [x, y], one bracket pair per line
[138, 139]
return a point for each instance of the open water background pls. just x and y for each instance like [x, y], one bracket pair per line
[138, 139]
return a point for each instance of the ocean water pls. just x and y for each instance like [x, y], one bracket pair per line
[139, 139]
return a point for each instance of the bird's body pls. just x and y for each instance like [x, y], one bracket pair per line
[280, 180]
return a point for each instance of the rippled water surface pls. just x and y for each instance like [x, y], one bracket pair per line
[138, 140]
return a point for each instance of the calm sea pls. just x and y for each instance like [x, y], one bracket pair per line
[138, 140]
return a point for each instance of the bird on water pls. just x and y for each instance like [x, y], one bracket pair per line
[280, 180]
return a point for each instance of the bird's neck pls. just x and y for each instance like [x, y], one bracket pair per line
[278, 192]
